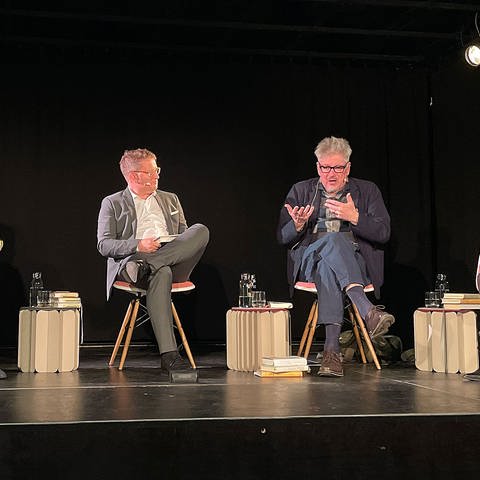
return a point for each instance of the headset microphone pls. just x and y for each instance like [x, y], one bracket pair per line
[316, 191]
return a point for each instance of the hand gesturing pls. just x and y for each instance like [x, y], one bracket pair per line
[300, 215]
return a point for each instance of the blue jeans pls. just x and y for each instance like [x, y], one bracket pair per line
[332, 262]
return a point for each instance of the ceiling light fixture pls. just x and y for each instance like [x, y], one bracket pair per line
[472, 52]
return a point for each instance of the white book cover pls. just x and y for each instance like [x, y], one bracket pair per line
[461, 306]
[284, 361]
[285, 368]
[274, 304]
[63, 294]
[452, 295]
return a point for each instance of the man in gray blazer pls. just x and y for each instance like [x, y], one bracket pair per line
[143, 233]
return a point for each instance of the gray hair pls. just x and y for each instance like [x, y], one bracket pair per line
[131, 159]
[331, 145]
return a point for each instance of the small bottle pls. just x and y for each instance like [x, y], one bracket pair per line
[35, 286]
[441, 285]
[244, 289]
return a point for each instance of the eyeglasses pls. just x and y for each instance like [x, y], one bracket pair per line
[150, 174]
[336, 168]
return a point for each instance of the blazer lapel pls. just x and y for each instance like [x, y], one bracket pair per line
[166, 210]
[130, 207]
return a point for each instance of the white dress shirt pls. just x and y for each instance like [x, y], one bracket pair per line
[150, 218]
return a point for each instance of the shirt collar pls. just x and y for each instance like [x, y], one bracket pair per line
[341, 193]
[135, 196]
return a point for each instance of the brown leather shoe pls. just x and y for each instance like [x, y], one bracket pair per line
[331, 365]
[378, 321]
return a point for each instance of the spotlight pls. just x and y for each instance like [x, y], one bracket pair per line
[472, 55]
[472, 52]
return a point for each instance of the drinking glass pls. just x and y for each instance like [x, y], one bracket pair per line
[258, 298]
[433, 300]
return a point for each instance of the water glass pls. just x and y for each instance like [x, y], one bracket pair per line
[433, 300]
[258, 299]
[43, 298]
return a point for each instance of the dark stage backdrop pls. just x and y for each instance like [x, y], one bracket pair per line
[231, 139]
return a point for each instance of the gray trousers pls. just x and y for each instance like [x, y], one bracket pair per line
[332, 262]
[172, 262]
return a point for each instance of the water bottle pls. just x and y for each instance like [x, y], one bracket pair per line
[244, 294]
[441, 285]
[35, 286]
[252, 287]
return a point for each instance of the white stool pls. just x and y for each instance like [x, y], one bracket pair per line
[126, 330]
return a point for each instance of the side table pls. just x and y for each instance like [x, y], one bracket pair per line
[48, 339]
[253, 333]
[446, 340]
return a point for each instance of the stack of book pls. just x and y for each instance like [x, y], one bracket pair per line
[65, 299]
[289, 366]
[461, 301]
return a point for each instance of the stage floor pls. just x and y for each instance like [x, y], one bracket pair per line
[142, 392]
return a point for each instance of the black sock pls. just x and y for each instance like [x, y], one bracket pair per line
[358, 297]
[332, 333]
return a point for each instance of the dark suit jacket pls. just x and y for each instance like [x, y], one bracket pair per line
[117, 227]
[371, 232]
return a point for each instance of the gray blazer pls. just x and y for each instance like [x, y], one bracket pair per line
[117, 227]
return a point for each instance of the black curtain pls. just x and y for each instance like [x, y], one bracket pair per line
[231, 139]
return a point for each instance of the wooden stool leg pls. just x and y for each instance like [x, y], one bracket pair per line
[366, 336]
[121, 333]
[307, 329]
[357, 334]
[182, 336]
[313, 326]
[129, 333]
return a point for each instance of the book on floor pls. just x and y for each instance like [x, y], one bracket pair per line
[289, 360]
[289, 374]
[286, 368]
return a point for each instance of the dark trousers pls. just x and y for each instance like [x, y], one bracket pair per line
[173, 262]
[332, 262]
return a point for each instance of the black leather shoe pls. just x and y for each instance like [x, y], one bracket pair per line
[173, 361]
[473, 377]
[135, 270]
[178, 369]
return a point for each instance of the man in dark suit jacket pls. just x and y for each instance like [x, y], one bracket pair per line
[135, 231]
[334, 228]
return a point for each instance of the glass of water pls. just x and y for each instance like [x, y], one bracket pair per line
[433, 300]
[258, 299]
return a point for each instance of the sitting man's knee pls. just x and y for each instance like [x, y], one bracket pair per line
[202, 232]
[163, 274]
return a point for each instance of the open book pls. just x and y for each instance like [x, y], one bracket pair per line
[166, 238]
